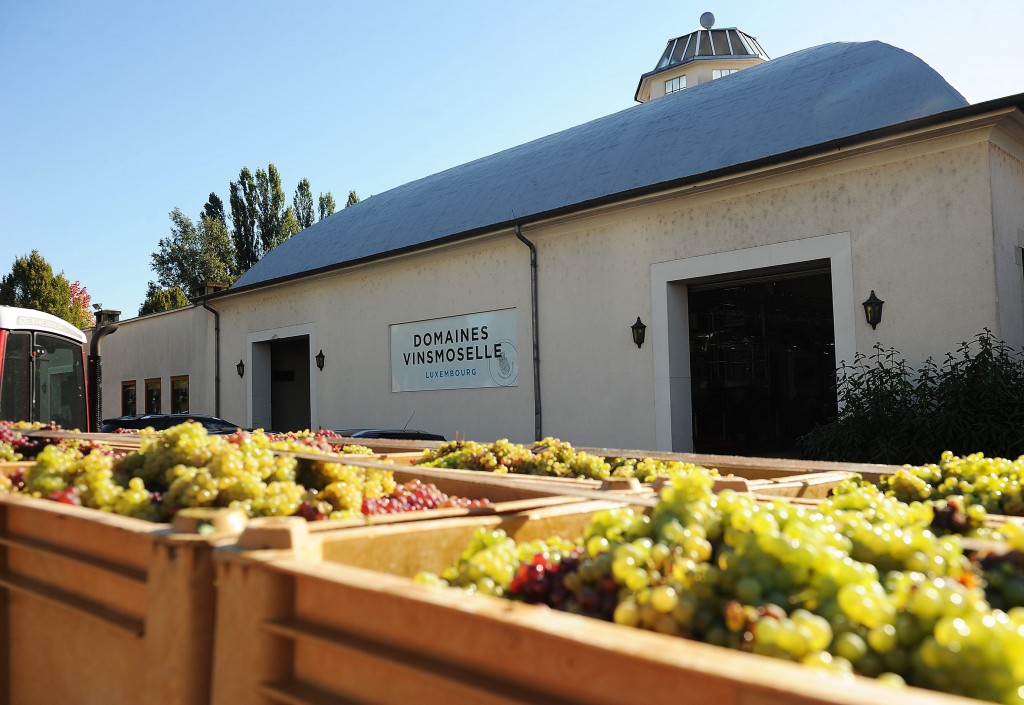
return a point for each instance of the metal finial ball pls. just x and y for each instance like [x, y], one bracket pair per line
[707, 20]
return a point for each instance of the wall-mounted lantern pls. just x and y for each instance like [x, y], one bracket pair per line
[320, 358]
[873, 310]
[240, 368]
[639, 332]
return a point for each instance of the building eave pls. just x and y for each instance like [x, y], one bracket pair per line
[996, 109]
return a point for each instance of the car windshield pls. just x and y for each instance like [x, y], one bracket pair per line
[219, 425]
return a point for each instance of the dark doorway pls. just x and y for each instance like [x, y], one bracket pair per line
[289, 384]
[762, 360]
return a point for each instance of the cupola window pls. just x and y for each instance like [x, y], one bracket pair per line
[675, 84]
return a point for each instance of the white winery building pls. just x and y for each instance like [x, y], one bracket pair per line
[741, 212]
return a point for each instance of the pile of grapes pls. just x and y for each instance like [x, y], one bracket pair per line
[991, 484]
[185, 467]
[859, 583]
[314, 441]
[14, 445]
[416, 495]
[550, 458]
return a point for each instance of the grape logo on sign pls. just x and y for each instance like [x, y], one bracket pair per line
[505, 368]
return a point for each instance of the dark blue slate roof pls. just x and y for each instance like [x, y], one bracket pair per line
[794, 102]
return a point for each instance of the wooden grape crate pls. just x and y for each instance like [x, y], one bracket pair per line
[98, 608]
[767, 476]
[752, 468]
[335, 618]
[505, 496]
[117, 441]
[387, 446]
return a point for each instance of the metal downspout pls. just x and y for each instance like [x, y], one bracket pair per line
[216, 358]
[537, 426]
[96, 375]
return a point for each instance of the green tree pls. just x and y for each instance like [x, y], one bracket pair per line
[303, 204]
[269, 208]
[353, 199]
[193, 256]
[242, 198]
[326, 205]
[162, 299]
[259, 217]
[289, 224]
[31, 283]
[214, 208]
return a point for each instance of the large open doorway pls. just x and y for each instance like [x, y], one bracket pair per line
[762, 360]
[281, 399]
[289, 384]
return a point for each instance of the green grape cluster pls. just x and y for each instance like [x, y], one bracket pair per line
[859, 583]
[490, 561]
[63, 472]
[500, 456]
[649, 469]
[1012, 532]
[993, 484]
[185, 467]
[8, 454]
[548, 458]
[13, 441]
[356, 449]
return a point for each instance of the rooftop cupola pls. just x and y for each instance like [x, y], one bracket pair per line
[698, 57]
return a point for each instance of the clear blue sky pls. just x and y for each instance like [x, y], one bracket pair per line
[114, 113]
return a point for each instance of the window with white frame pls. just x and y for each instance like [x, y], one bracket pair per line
[675, 84]
[718, 73]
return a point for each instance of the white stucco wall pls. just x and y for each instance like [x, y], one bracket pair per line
[928, 221]
[1006, 159]
[915, 216]
[347, 316]
[162, 345]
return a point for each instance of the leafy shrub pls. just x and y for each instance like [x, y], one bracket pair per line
[890, 413]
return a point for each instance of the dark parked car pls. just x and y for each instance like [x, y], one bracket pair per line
[395, 434]
[159, 422]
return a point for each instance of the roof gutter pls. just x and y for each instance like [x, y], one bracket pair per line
[537, 417]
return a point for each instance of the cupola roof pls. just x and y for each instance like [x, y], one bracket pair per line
[708, 43]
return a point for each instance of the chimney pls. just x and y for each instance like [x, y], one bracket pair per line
[211, 288]
[105, 316]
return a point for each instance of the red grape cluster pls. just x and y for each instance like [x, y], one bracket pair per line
[12, 443]
[542, 580]
[416, 495]
[310, 512]
[87, 447]
[17, 479]
[68, 495]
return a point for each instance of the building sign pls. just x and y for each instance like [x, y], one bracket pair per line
[459, 352]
